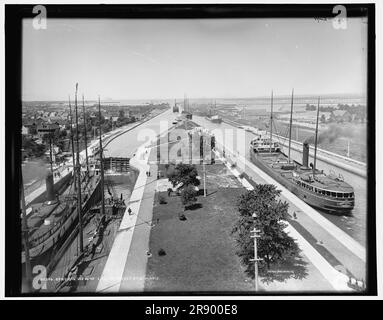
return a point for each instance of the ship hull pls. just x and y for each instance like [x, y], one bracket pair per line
[219, 120]
[47, 241]
[311, 198]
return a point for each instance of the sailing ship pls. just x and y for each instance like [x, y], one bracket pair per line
[329, 193]
[48, 223]
[49, 228]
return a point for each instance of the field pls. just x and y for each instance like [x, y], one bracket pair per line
[335, 137]
[200, 252]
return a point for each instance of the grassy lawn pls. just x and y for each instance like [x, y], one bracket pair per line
[200, 252]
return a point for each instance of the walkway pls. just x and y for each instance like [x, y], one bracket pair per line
[113, 273]
[125, 268]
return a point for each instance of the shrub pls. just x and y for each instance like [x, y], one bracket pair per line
[162, 199]
[188, 196]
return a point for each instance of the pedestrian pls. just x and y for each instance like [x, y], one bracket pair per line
[130, 211]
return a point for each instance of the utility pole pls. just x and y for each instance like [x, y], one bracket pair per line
[348, 148]
[255, 235]
[184, 102]
[85, 136]
[28, 268]
[291, 121]
[101, 163]
[78, 169]
[271, 121]
[316, 139]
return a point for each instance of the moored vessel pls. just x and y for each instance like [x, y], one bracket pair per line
[326, 192]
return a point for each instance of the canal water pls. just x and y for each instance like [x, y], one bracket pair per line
[353, 224]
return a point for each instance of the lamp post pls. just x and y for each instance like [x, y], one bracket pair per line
[255, 235]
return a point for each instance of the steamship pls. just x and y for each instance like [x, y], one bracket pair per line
[329, 193]
[214, 118]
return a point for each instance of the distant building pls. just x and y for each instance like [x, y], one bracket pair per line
[47, 128]
[29, 129]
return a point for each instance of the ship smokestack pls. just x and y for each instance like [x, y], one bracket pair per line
[305, 159]
[50, 187]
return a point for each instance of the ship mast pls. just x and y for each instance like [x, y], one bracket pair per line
[50, 151]
[271, 121]
[78, 169]
[72, 142]
[101, 162]
[28, 268]
[316, 139]
[291, 121]
[85, 137]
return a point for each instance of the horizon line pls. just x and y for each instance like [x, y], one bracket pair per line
[223, 98]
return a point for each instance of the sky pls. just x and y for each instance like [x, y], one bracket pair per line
[204, 58]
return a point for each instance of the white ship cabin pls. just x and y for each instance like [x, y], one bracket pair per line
[261, 144]
[323, 186]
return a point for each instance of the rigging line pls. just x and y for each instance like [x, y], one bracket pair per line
[278, 135]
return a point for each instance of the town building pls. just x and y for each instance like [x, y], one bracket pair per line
[47, 128]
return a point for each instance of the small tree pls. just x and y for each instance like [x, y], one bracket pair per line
[162, 199]
[274, 245]
[188, 196]
[185, 174]
[323, 118]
